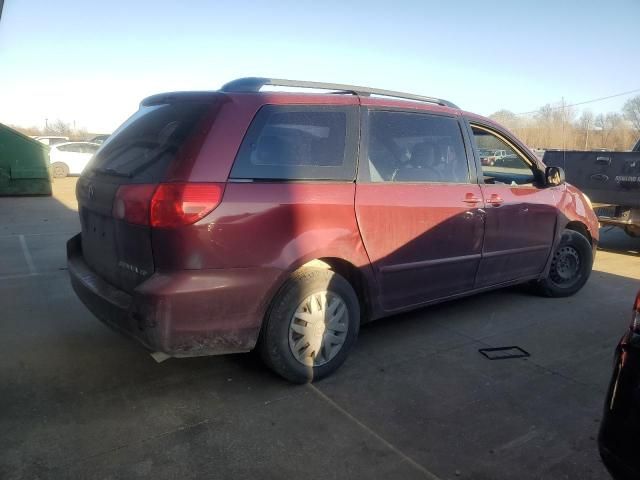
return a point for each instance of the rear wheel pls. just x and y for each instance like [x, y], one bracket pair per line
[570, 267]
[59, 170]
[311, 326]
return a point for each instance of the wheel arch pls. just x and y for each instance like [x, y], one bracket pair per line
[581, 228]
[352, 274]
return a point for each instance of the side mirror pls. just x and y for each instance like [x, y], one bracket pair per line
[554, 176]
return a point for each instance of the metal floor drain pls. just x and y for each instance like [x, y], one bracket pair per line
[502, 353]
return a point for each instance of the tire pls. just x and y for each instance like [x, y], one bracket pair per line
[285, 334]
[59, 170]
[570, 267]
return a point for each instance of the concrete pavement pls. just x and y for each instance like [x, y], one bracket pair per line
[414, 400]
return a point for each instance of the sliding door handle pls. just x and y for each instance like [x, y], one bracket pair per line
[495, 200]
[472, 199]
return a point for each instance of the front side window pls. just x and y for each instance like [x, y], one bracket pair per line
[299, 143]
[415, 148]
[501, 163]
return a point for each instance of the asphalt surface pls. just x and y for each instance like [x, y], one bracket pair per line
[414, 400]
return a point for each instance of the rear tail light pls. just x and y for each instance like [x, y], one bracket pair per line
[635, 318]
[177, 204]
[167, 205]
[132, 203]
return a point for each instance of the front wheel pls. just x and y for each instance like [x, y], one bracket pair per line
[312, 324]
[570, 266]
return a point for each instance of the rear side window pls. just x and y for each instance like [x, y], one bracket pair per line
[415, 148]
[149, 140]
[299, 143]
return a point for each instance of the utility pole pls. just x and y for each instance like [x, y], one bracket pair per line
[586, 140]
[564, 143]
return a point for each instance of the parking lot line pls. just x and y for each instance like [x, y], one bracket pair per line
[27, 255]
[390, 446]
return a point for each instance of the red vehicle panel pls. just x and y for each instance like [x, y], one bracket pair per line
[424, 241]
[347, 213]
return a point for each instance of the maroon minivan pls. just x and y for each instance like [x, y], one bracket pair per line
[219, 222]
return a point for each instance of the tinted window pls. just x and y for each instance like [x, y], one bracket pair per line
[501, 163]
[149, 140]
[415, 147]
[299, 142]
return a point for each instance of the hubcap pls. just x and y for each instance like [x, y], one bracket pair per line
[318, 328]
[566, 265]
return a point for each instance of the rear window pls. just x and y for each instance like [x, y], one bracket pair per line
[145, 145]
[299, 143]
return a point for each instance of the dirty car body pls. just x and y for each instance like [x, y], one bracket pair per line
[198, 209]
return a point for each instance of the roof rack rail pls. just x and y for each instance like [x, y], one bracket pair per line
[254, 84]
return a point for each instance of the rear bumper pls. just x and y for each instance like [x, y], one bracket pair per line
[187, 313]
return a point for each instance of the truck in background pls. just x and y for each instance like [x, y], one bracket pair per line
[611, 180]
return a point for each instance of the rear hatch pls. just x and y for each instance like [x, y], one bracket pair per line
[167, 129]
[606, 177]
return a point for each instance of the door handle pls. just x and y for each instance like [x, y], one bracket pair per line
[471, 199]
[495, 200]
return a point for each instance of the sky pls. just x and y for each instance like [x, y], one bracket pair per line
[92, 62]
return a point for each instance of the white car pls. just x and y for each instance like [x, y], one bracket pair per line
[70, 158]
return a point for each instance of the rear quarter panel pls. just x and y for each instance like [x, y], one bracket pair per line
[269, 227]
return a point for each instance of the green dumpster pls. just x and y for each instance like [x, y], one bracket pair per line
[24, 164]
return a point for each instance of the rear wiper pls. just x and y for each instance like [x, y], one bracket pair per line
[111, 171]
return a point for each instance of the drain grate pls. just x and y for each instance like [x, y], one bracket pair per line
[502, 353]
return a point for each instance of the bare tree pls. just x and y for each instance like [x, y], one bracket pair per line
[585, 124]
[606, 123]
[505, 117]
[631, 111]
[58, 127]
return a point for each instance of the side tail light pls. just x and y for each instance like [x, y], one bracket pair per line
[167, 205]
[635, 316]
[177, 204]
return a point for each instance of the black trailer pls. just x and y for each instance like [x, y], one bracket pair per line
[610, 179]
